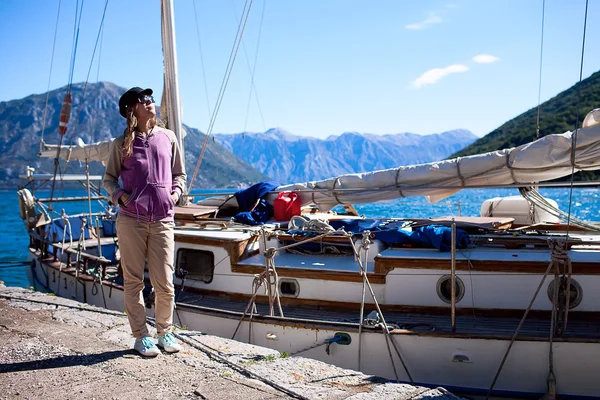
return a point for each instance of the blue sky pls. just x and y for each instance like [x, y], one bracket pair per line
[322, 67]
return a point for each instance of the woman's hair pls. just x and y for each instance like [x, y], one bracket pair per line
[129, 133]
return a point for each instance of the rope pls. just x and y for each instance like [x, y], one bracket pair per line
[184, 273]
[67, 223]
[325, 250]
[387, 344]
[314, 346]
[317, 225]
[533, 196]
[551, 380]
[73, 306]
[361, 319]
[95, 289]
[385, 326]
[563, 327]
[557, 249]
[306, 225]
[366, 241]
[270, 279]
[212, 353]
[271, 252]
[250, 304]
[312, 239]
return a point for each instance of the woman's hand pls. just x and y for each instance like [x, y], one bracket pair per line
[174, 197]
[123, 199]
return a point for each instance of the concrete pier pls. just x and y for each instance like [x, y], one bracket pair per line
[55, 348]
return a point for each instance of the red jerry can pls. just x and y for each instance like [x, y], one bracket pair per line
[286, 205]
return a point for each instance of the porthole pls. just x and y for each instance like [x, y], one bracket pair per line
[575, 292]
[289, 288]
[195, 264]
[444, 289]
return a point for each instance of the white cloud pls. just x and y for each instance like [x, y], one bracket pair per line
[433, 75]
[485, 59]
[433, 19]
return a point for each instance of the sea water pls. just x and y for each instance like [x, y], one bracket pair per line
[584, 204]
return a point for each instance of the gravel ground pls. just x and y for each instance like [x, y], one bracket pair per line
[69, 350]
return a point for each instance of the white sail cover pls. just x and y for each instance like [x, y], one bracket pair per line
[544, 159]
[92, 152]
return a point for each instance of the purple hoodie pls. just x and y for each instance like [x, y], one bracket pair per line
[149, 176]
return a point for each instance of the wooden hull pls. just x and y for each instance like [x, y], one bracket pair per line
[460, 362]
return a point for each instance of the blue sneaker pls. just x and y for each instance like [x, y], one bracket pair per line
[169, 343]
[146, 347]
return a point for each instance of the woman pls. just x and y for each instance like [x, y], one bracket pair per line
[148, 161]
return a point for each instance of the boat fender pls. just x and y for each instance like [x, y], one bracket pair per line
[65, 114]
[26, 204]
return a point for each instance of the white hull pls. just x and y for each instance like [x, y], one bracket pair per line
[430, 358]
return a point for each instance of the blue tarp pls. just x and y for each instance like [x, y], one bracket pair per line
[254, 207]
[57, 228]
[57, 231]
[391, 233]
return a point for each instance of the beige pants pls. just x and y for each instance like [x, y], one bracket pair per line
[150, 243]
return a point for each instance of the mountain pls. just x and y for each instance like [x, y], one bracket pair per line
[561, 113]
[96, 119]
[288, 158]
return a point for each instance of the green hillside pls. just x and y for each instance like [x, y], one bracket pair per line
[557, 115]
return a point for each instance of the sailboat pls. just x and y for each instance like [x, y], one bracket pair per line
[504, 304]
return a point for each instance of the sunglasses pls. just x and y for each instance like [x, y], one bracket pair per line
[145, 99]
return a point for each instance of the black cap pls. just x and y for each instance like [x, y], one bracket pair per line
[131, 97]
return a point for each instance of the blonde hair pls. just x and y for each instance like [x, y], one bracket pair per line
[129, 134]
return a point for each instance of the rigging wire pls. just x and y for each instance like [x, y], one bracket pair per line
[93, 119]
[568, 272]
[537, 126]
[100, 50]
[253, 71]
[201, 60]
[556, 259]
[76, 25]
[49, 77]
[228, 69]
[87, 78]
[576, 130]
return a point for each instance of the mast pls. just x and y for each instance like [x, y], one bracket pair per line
[171, 87]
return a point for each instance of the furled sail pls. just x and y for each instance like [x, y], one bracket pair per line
[81, 152]
[544, 159]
